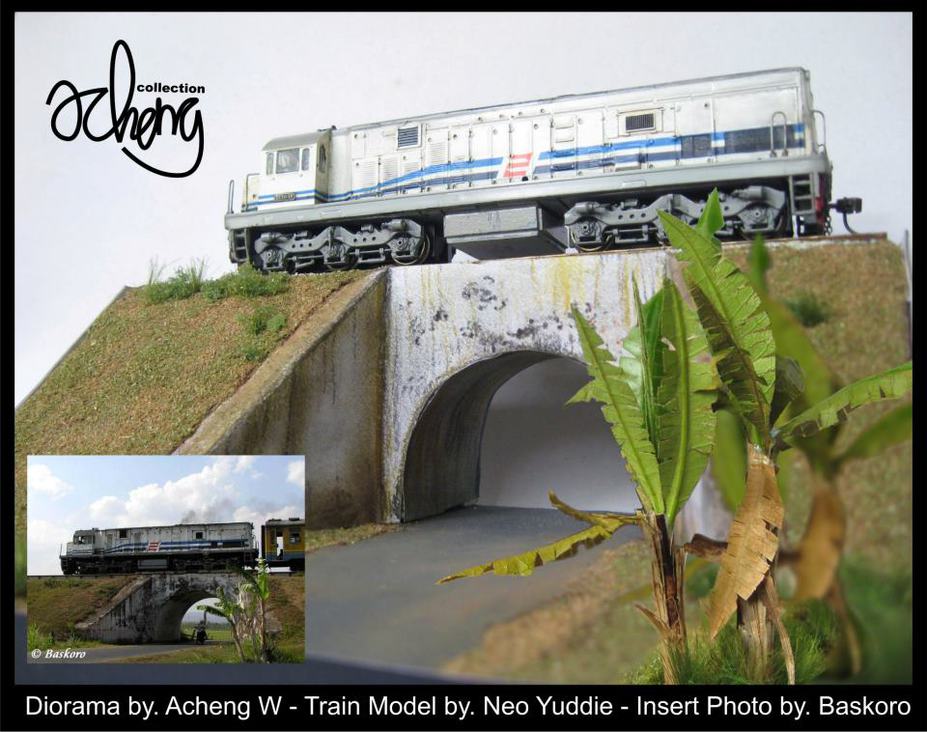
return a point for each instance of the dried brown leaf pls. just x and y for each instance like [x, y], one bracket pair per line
[821, 546]
[752, 542]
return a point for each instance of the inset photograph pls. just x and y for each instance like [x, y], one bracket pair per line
[165, 559]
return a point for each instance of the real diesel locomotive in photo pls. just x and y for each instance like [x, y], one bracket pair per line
[181, 547]
[587, 172]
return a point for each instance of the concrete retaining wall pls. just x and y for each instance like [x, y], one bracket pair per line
[320, 395]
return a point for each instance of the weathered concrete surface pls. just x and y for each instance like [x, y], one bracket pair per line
[388, 400]
[318, 395]
[151, 608]
[457, 332]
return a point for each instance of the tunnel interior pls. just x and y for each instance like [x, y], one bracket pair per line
[498, 433]
[167, 623]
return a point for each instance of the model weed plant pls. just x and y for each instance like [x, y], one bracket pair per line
[816, 559]
[680, 365]
[190, 279]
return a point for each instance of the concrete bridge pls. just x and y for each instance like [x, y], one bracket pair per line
[389, 398]
[388, 401]
[151, 607]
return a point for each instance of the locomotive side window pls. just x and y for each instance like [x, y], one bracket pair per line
[294, 536]
[305, 161]
[123, 533]
[288, 160]
[269, 170]
[198, 535]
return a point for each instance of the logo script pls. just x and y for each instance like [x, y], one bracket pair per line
[142, 127]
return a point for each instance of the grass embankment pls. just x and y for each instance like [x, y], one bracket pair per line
[320, 538]
[286, 606]
[159, 360]
[57, 604]
[593, 634]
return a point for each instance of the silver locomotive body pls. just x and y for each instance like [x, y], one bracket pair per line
[181, 547]
[587, 171]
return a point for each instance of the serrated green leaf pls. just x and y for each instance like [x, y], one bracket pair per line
[729, 458]
[736, 306]
[686, 392]
[889, 384]
[743, 390]
[892, 429]
[622, 412]
[790, 384]
[524, 564]
[641, 361]
[711, 219]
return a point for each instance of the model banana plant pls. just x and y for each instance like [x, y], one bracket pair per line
[658, 402]
[764, 387]
[678, 368]
[817, 557]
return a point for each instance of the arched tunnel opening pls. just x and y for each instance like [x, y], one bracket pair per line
[178, 611]
[498, 433]
[217, 628]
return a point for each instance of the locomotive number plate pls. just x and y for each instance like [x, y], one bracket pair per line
[284, 196]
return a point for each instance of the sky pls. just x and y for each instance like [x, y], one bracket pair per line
[67, 493]
[89, 220]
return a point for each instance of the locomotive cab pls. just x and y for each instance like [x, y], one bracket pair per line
[293, 168]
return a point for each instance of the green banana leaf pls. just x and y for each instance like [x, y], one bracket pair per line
[743, 389]
[729, 459]
[790, 385]
[685, 395]
[892, 429]
[622, 412]
[642, 357]
[889, 384]
[727, 289]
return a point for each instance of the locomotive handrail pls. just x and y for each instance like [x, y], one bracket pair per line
[231, 194]
[822, 146]
[785, 134]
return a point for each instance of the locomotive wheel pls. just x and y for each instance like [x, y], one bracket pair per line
[404, 260]
[347, 260]
[599, 246]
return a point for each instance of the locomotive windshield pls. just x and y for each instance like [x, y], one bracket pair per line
[288, 160]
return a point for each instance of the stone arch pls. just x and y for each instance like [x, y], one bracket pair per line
[165, 626]
[151, 607]
[442, 460]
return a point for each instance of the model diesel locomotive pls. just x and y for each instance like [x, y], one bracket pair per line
[181, 547]
[586, 171]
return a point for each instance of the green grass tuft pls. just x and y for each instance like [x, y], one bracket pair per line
[35, 638]
[263, 327]
[246, 282]
[809, 309]
[812, 629]
[185, 282]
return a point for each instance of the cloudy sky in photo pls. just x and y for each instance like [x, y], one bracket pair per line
[67, 493]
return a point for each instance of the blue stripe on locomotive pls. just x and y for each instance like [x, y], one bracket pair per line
[721, 143]
[168, 545]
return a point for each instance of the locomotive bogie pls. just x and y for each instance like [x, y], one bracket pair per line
[330, 199]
